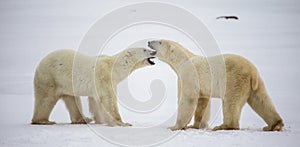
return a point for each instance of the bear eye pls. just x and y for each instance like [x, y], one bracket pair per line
[159, 42]
[144, 50]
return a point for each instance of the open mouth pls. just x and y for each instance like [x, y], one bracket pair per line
[150, 60]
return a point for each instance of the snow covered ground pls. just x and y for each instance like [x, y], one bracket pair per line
[267, 33]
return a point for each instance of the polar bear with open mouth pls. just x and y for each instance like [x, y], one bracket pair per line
[67, 75]
[241, 81]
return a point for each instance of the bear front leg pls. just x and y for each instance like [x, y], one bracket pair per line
[188, 92]
[201, 109]
[114, 111]
[205, 119]
[186, 110]
[117, 116]
[99, 112]
[74, 107]
[110, 109]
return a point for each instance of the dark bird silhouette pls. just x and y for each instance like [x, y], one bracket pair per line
[228, 17]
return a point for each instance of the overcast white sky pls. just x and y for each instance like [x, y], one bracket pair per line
[30, 29]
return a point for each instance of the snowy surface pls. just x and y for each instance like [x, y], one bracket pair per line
[267, 33]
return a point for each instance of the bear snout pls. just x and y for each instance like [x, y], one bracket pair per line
[153, 53]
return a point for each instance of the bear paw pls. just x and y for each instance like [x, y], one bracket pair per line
[275, 127]
[43, 122]
[117, 123]
[203, 125]
[174, 128]
[225, 127]
[124, 124]
[127, 124]
[84, 120]
[193, 127]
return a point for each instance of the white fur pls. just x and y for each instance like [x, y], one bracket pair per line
[68, 75]
[201, 78]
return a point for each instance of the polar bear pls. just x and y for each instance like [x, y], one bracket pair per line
[241, 84]
[67, 74]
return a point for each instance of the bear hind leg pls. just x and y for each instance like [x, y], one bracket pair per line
[261, 103]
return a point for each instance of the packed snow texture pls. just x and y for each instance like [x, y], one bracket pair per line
[267, 33]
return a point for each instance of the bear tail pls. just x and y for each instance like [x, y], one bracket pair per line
[254, 81]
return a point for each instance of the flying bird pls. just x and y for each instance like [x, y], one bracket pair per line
[228, 17]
